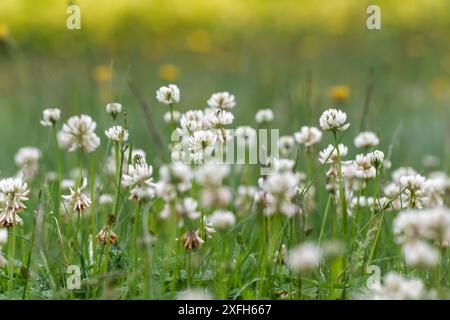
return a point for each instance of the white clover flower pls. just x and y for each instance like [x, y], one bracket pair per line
[78, 133]
[117, 134]
[66, 184]
[168, 116]
[27, 159]
[218, 197]
[402, 171]
[396, 287]
[429, 224]
[434, 191]
[177, 174]
[221, 100]
[331, 154]
[138, 155]
[139, 180]
[333, 120]
[430, 161]
[77, 200]
[50, 117]
[376, 158]
[366, 139]
[26, 156]
[308, 136]
[219, 119]
[245, 135]
[191, 121]
[105, 199]
[245, 195]
[304, 258]
[211, 174]
[168, 94]
[202, 144]
[13, 192]
[221, 219]
[420, 254]
[284, 165]
[286, 145]
[194, 294]
[412, 182]
[190, 208]
[139, 174]
[363, 167]
[264, 116]
[113, 108]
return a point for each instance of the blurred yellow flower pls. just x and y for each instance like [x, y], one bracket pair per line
[199, 41]
[102, 73]
[168, 72]
[339, 93]
[440, 88]
[4, 31]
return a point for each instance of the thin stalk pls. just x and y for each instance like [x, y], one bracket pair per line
[324, 220]
[93, 225]
[58, 171]
[11, 253]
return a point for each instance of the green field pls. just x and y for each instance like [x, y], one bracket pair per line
[298, 58]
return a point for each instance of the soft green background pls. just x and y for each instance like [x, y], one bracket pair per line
[262, 51]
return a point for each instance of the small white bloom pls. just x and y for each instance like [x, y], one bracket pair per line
[420, 254]
[286, 145]
[330, 155]
[194, 294]
[139, 180]
[364, 168]
[306, 257]
[117, 134]
[66, 184]
[264, 116]
[412, 182]
[77, 133]
[219, 119]
[26, 156]
[402, 171]
[113, 108]
[211, 174]
[168, 116]
[191, 121]
[245, 135]
[376, 158]
[308, 136]
[202, 144]
[221, 100]
[366, 139]
[13, 192]
[333, 120]
[105, 199]
[168, 94]
[77, 200]
[50, 117]
[221, 219]
[396, 287]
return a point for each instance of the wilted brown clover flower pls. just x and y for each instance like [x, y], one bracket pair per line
[191, 240]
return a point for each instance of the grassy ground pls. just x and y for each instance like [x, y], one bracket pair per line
[287, 57]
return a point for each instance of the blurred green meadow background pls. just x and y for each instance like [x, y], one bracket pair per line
[298, 57]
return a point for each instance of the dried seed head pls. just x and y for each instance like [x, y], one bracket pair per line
[191, 240]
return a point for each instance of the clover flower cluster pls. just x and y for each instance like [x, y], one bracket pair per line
[422, 233]
[397, 287]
